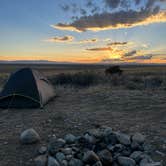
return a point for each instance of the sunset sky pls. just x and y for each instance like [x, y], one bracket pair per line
[86, 31]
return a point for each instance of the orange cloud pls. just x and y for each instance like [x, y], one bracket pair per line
[60, 39]
[88, 41]
[100, 49]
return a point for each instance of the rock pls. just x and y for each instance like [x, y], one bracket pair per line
[96, 133]
[40, 160]
[52, 161]
[137, 156]
[147, 157]
[118, 148]
[69, 157]
[152, 164]
[98, 163]
[42, 150]
[67, 151]
[127, 151]
[134, 145]
[126, 161]
[107, 131]
[111, 139]
[105, 157]
[90, 139]
[70, 138]
[55, 145]
[123, 138]
[64, 163]
[75, 162]
[144, 162]
[139, 138]
[90, 157]
[60, 156]
[29, 136]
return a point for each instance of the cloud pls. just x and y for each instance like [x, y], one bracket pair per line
[137, 2]
[141, 57]
[129, 54]
[60, 39]
[117, 43]
[112, 3]
[100, 49]
[94, 40]
[112, 60]
[116, 20]
[65, 7]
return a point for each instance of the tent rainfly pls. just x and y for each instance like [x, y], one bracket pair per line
[26, 88]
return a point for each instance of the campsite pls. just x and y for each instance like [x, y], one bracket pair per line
[128, 106]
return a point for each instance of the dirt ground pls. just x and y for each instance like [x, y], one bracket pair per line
[76, 110]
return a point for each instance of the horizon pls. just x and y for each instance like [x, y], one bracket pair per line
[88, 31]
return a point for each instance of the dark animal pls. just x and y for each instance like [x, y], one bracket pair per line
[113, 70]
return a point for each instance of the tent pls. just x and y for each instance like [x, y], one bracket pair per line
[26, 88]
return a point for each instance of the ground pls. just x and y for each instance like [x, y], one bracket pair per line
[75, 110]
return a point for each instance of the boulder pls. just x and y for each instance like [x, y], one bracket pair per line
[98, 163]
[55, 145]
[41, 160]
[29, 136]
[90, 157]
[42, 150]
[105, 157]
[75, 162]
[60, 156]
[126, 161]
[137, 156]
[139, 138]
[52, 161]
[123, 138]
[70, 138]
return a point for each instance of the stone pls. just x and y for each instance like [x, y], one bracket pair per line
[111, 139]
[134, 145]
[90, 157]
[42, 150]
[90, 139]
[75, 162]
[29, 136]
[126, 161]
[105, 157]
[123, 138]
[144, 162]
[55, 145]
[60, 156]
[98, 163]
[70, 138]
[137, 156]
[67, 151]
[64, 163]
[52, 161]
[153, 164]
[40, 160]
[139, 138]
[107, 131]
[69, 157]
[127, 151]
[118, 148]
[96, 133]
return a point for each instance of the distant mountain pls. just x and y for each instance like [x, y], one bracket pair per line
[33, 62]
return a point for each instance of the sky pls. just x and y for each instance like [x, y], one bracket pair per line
[84, 31]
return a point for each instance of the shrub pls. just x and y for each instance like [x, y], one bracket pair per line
[113, 70]
[78, 79]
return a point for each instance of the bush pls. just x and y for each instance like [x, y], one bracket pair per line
[78, 79]
[113, 70]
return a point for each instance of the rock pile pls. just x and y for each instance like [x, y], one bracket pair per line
[96, 147]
